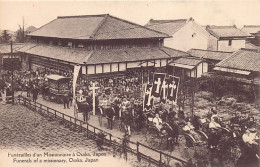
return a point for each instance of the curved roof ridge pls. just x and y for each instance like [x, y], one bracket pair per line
[139, 26]
[210, 50]
[81, 16]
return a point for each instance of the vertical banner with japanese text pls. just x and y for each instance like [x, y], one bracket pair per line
[75, 77]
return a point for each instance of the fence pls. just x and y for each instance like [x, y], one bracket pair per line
[140, 150]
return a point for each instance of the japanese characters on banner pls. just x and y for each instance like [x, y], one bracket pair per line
[163, 88]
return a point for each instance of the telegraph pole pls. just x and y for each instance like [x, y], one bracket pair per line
[12, 72]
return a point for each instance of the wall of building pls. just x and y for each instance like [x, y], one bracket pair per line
[8, 55]
[223, 45]
[188, 37]
[100, 45]
[115, 67]
[197, 71]
[212, 43]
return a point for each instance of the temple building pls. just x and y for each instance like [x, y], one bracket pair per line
[100, 44]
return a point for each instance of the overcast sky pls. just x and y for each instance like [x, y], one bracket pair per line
[38, 13]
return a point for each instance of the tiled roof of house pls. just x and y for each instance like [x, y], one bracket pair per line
[208, 54]
[256, 34]
[77, 56]
[243, 59]
[6, 48]
[169, 27]
[226, 32]
[250, 29]
[251, 46]
[95, 27]
[126, 55]
[174, 52]
[191, 61]
[81, 55]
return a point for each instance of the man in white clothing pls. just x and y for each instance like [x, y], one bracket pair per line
[157, 121]
[249, 138]
[213, 124]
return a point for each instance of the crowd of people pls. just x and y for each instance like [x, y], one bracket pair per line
[120, 98]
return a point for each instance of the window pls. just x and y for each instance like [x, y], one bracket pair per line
[229, 42]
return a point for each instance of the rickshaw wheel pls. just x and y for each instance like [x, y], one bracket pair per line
[186, 147]
[153, 138]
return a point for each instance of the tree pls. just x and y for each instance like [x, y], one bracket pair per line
[20, 35]
[5, 37]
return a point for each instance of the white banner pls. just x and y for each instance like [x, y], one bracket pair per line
[75, 77]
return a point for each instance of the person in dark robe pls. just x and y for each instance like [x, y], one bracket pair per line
[110, 112]
[66, 101]
[35, 92]
[85, 110]
[70, 96]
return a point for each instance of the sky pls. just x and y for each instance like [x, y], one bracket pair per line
[205, 12]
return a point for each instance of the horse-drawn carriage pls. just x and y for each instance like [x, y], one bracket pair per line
[55, 88]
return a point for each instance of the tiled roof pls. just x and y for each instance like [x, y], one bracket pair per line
[249, 29]
[174, 52]
[72, 55]
[95, 27]
[251, 46]
[243, 59]
[6, 48]
[166, 26]
[125, 55]
[80, 55]
[208, 54]
[226, 32]
[191, 61]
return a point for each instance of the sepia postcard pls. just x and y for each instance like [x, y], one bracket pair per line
[129, 83]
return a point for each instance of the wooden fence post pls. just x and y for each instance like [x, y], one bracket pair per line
[75, 124]
[81, 126]
[41, 107]
[110, 138]
[87, 130]
[48, 111]
[138, 154]
[160, 161]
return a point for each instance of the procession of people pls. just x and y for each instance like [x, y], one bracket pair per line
[124, 100]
